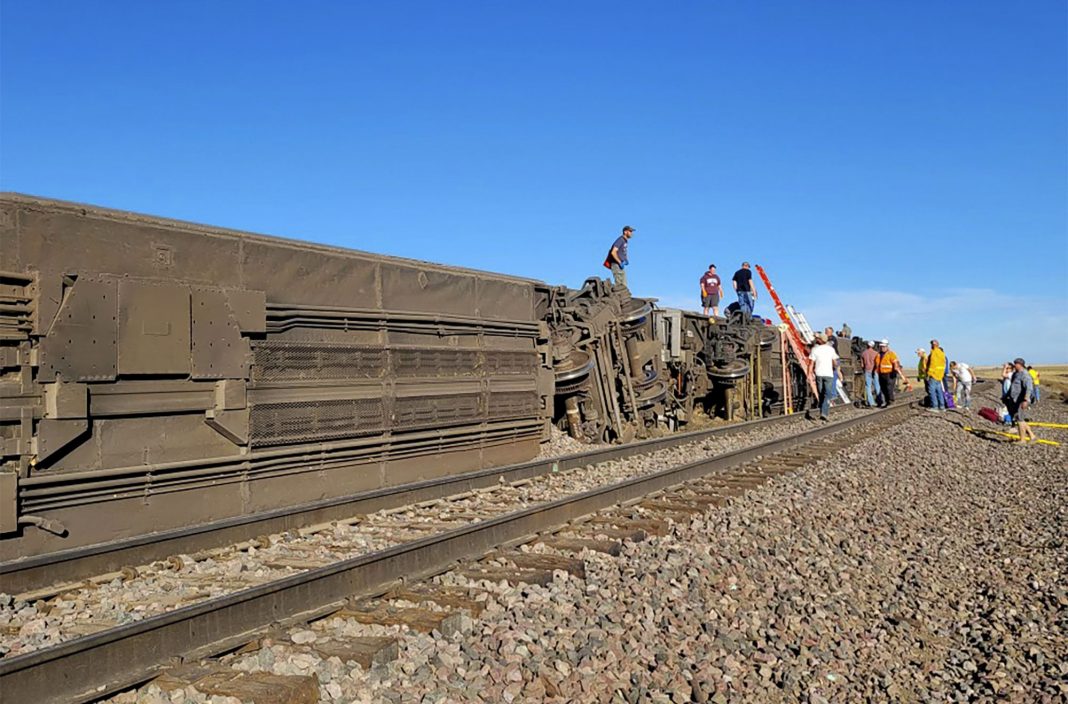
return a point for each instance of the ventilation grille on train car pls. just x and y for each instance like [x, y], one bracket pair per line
[434, 361]
[295, 361]
[513, 404]
[510, 362]
[308, 421]
[435, 411]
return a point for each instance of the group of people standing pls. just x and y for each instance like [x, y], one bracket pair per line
[934, 372]
[881, 365]
[744, 289]
[882, 371]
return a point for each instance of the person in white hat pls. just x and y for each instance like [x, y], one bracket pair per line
[868, 359]
[889, 367]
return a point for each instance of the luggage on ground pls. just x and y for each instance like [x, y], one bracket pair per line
[990, 414]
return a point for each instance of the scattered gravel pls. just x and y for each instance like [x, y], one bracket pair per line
[181, 581]
[561, 444]
[923, 564]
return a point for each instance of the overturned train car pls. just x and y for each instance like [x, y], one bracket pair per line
[157, 374]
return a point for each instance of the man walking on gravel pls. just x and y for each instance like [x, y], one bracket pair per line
[934, 371]
[711, 290]
[1018, 398]
[617, 259]
[868, 359]
[824, 361]
[889, 367]
[962, 384]
[746, 290]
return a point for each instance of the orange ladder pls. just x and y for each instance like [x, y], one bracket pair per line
[792, 335]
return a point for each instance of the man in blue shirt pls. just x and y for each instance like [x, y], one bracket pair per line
[617, 256]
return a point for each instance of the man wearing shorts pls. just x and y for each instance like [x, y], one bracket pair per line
[1018, 398]
[711, 290]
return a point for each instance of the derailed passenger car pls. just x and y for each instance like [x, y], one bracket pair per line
[159, 374]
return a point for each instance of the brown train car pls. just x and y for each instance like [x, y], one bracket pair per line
[159, 374]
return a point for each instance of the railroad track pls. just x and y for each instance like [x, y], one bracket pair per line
[76, 565]
[95, 665]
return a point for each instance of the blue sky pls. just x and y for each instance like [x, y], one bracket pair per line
[902, 166]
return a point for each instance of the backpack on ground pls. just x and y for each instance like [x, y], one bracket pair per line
[990, 414]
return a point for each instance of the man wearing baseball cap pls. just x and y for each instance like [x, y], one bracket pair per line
[1018, 398]
[617, 256]
[868, 359]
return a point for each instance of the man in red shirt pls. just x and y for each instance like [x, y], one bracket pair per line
[869, 358]
[711, 290]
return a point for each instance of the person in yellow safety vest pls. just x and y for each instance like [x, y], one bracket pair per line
[935, 370]
[921, 366]
[889, 367]
[1036, 394]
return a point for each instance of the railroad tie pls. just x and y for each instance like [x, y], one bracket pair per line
[366, 651]
[677, 507]
[513, 576]
[448, 597]
[541, 561]
[701, 499]
[567, 543]
[259, 687]
[423, 620]
[651, 526]
[634, 535]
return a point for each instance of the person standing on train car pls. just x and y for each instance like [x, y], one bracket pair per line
[935, 371]
[746, 290]
[617, 259]
[711, 290]
[868, 359]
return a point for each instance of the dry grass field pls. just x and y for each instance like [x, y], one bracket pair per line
[1054, 379]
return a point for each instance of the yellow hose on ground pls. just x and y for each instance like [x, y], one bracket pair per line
[1040, 441]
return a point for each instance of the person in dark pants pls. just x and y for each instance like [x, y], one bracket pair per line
[889, 367]
[1018, 398]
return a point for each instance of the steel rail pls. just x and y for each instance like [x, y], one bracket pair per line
[25, 574]
[93, 666]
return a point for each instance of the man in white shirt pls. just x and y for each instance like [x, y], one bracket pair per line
[824, 361]
[962, 384]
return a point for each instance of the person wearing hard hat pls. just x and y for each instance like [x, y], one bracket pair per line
[889, 368]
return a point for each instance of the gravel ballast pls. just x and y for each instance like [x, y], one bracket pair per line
[923, 564]
[165, 585]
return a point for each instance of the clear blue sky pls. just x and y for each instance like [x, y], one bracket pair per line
[902, 166]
